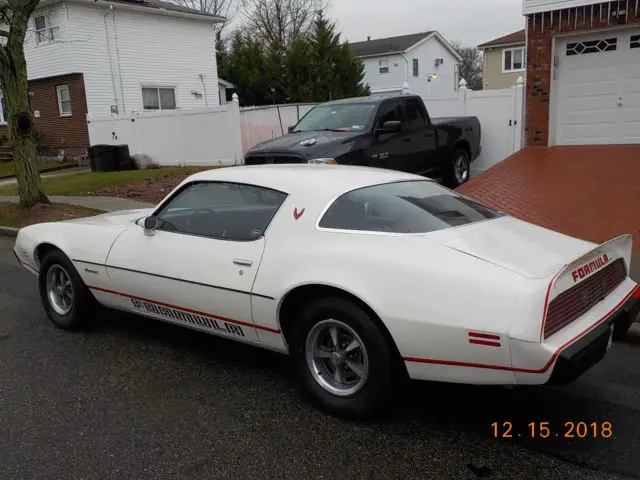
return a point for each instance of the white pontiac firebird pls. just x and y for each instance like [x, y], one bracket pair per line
[364, 276]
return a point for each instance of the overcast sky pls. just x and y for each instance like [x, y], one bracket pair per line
[454, 19]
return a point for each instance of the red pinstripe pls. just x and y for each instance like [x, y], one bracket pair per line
[197, 312]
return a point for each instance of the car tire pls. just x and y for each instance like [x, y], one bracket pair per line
[373, 355]
[66, 299]
[459, 171]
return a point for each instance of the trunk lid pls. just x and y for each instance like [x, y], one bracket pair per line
[527, 249]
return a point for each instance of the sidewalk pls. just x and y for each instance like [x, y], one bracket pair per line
[107, 204]
[58, 173]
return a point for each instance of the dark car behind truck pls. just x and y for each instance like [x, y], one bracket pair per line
[393, 132]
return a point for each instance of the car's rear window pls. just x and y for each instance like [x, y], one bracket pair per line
[403, 207]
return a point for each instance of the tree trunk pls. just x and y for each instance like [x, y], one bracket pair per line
[13, 74]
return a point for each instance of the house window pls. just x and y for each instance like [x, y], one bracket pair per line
[513, 60]
[64, 100]
[592, 46]
[384, 67]
[416, 69]
[159, 98]
[47, 29]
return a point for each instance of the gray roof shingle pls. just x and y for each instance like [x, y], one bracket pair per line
[380, 46]
[160, 5]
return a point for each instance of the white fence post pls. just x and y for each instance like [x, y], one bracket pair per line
[518, 115]
[462, 95]
[234, 109]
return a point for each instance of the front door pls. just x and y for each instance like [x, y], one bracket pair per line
[387, 148]
[421, 150]
[199, 265]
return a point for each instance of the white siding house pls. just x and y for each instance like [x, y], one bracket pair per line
[102, 57]
[425, 61]
[122, 47]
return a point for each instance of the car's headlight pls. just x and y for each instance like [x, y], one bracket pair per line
[326, 161]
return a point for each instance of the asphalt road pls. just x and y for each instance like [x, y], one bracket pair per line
[136, 399]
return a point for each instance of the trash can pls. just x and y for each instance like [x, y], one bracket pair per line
[103, 158]
[124, 161]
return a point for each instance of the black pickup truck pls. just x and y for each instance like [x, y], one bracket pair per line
[393, 132]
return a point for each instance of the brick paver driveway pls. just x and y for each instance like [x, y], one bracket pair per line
[586, 192]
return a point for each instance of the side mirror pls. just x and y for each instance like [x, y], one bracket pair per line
[150, 225]
[392, 126]
[291, 127]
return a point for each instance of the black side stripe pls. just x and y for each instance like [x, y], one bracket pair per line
[175, 279]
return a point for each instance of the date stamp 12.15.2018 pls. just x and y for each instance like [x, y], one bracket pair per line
[568, 430]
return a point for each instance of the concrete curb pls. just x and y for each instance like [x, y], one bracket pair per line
[8, 231]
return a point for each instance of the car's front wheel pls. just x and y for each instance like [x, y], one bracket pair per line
[342, 358]
[66, 299]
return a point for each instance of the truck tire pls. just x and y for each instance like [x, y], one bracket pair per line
[460, 169]
[342, 358]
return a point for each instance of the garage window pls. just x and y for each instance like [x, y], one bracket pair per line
[513, 60]
[635, 41]
[592, 46]
[403, 207]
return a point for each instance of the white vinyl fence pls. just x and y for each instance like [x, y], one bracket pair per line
[222, 135]
[259, 124]
[207, 136]
[501, 119]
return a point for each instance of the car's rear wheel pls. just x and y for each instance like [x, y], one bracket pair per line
[342, 358]
[66, 299]
[460, 169]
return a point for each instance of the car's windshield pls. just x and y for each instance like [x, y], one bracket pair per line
[404, 207]
[347, 117]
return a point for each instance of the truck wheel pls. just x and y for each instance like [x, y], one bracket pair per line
[66, 299]
[460, 169]
[342, 358]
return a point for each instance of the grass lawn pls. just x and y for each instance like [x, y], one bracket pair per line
[11, 215]
[8, 168]
[88, 183]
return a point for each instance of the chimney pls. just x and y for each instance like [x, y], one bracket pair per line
[368, 39]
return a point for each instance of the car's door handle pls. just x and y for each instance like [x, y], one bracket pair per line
[243, 262]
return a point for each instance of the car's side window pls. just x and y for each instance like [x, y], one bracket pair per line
[414, 118]
[389, 111]
[223, 210]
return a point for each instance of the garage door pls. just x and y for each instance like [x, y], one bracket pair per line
[598, 89]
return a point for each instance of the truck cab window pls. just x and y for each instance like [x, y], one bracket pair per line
[414, 118]
[389, 111]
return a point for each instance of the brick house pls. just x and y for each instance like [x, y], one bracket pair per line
[583, 72]
[119, 56]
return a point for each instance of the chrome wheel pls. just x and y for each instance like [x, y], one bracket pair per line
[59, 290]
[337, 358]
[461, 168]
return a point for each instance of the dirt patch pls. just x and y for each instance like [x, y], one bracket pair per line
[150, 190]
[11, 215]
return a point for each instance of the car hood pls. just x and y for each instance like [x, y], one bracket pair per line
[121, 217]
[308, 144]
[522, 247]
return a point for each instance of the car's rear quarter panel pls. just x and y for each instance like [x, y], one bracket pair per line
[427, 296]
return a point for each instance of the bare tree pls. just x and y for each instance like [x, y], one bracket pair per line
[14, 18]
[471, 66]
[222, 8]
[281, 21]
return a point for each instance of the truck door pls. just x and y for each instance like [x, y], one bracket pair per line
[387, 148]
[420, 146]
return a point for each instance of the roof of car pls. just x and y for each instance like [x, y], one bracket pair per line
[376, 98]
[325, 180]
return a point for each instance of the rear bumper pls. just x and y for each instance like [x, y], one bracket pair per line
[580, 356]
